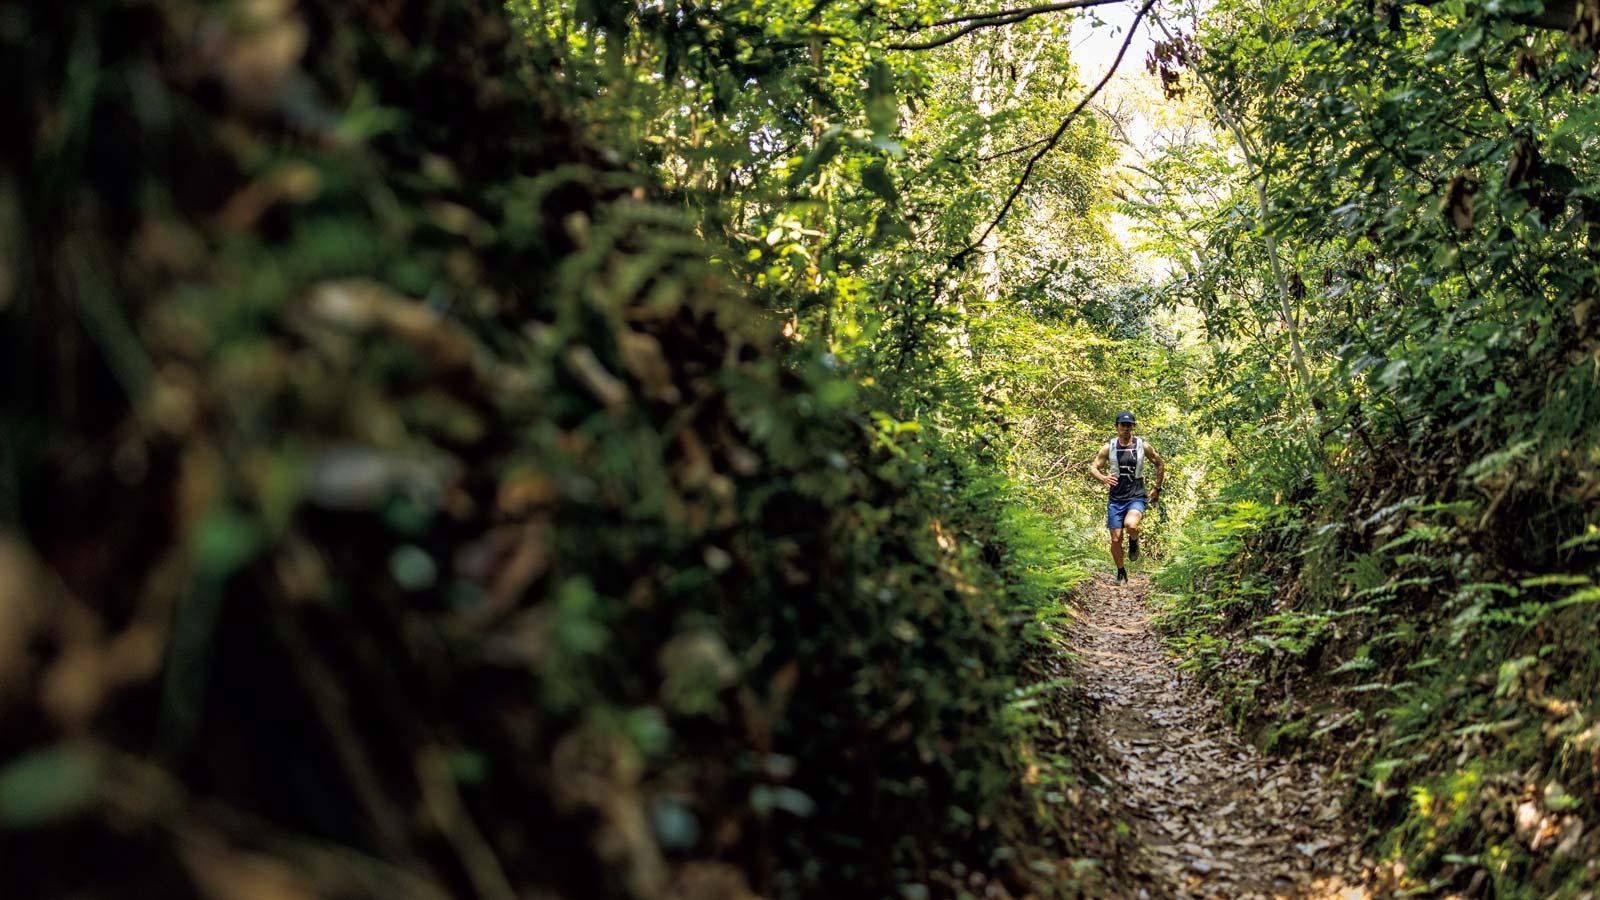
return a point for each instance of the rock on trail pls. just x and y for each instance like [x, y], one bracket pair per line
[1217, 819]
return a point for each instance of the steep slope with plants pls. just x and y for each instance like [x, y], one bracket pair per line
[1399, 290]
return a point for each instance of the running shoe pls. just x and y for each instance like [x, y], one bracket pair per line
[1133, 548]
[1122, 576]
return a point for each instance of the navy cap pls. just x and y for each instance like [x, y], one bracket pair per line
[1124, 418]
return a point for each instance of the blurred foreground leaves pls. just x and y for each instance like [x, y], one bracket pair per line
[397, 504]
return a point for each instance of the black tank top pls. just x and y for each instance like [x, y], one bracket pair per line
[1128, 487]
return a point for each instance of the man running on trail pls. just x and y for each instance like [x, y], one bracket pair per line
[1125, 508]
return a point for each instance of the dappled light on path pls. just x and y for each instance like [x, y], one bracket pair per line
[1218, 819]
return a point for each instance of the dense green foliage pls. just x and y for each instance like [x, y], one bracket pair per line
[637, 450]
[397, 501]
[1405, 578]
[855, 181]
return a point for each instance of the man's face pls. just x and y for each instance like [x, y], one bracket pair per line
[1125, 430]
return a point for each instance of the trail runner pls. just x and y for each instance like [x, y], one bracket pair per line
[1126, 505]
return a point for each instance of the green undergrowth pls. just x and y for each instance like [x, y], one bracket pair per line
[1447, 668]
[1403, 576]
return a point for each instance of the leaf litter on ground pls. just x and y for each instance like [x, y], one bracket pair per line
[1217, 819]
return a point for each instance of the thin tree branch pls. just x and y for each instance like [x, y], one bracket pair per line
[1488, 92]
[1014, 150]
[954, 36]
[988, 20]
[1004, 14]
[1055, 138]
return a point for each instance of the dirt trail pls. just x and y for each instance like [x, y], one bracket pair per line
[1218, 819]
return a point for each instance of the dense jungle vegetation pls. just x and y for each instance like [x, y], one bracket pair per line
[639, 449]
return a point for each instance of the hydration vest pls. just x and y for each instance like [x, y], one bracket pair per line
[1113, 449]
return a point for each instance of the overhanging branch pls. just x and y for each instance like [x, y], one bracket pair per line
[1014, 150]
[995, 19]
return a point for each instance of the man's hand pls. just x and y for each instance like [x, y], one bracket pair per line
[1155, 494]
[1108, 480]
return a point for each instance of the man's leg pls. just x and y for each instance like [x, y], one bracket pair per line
[1131, 524]
[1114, 516]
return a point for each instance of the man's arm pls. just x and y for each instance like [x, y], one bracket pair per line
[1094, 468]
[1161, 471]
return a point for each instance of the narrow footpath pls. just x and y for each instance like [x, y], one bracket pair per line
[1217, 819]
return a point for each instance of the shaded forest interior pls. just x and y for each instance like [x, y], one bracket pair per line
[612, 450]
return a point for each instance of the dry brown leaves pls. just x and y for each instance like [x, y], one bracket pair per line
[1217, 819]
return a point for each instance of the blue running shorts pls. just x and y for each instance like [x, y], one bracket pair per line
[1117, 509]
